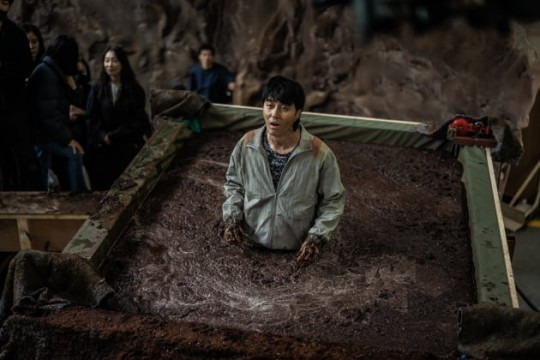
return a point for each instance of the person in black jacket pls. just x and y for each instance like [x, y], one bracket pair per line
[118, 120]
[50, 90]
[19, 168]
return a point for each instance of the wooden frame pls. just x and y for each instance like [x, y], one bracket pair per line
[42, 221]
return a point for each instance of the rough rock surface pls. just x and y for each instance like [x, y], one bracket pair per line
[451, 69]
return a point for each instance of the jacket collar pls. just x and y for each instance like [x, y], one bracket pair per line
[50, 62]
[305, 143]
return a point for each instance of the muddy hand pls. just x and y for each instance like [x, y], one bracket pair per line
[309, 250]
[234, 234]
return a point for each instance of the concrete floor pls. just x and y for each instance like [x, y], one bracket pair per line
[526, 265]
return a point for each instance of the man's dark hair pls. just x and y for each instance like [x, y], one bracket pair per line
[286, 91]
[10, 2]
[206, 47]
[65, 52]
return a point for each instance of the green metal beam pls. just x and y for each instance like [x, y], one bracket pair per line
[493, 270]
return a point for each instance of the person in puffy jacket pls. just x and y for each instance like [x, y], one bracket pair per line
[51, 90]
[283, 187]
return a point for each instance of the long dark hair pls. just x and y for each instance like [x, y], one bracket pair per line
[31, 28]
[65, 52]
[127, 76]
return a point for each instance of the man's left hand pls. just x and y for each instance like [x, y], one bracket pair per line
[310, 249]
[234, 234]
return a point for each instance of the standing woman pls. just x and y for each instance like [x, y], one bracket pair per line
[35, 41]
[118, 121]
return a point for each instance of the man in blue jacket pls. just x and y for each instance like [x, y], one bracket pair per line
[210, 79]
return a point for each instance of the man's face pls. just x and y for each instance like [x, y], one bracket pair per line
[279, 118]
[206, 59]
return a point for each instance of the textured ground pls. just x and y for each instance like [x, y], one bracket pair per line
[387, 286]
[397, 268]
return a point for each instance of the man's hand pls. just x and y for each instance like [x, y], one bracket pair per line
[107, 139]
[234, 234]
[71, 82]
[76, 147]
[75, 112]
[310, 249]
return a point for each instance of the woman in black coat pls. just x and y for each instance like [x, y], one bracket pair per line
[118, 121]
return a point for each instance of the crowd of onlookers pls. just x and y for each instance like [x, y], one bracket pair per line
[58, 129]
[61, 131]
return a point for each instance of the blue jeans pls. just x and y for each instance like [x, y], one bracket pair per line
[74, 164]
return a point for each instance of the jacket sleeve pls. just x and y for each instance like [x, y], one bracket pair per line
[234, 188]
[93, 111]
[50, 106]
[332, 197]
[229, 76]
[136, 119]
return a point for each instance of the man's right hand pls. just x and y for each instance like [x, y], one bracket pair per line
[234, 234]
[75, 112]
[76, 147]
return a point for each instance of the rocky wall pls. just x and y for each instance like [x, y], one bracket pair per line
[453, 68]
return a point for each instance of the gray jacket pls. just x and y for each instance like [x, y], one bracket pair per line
[309, 198]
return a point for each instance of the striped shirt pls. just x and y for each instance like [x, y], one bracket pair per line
[277, 161]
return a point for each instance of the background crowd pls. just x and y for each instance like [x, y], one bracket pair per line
[59, 130]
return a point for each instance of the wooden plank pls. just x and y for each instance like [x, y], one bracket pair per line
[328, 116]
[43, 216]
[44, 203]
[24, 234]
[53, 235]
[504, 242]
[49, 234]
[9, 236]
[493, 271]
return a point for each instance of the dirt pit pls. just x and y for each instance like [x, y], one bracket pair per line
[388, 284]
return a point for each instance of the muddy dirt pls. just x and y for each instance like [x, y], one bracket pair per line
[98, 334]
[392, 278]
[387, 286]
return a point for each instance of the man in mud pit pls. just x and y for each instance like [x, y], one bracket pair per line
[283, 186]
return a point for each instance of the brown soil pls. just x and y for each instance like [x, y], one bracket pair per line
[98, 334]
[388, 285]
[397, 268]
